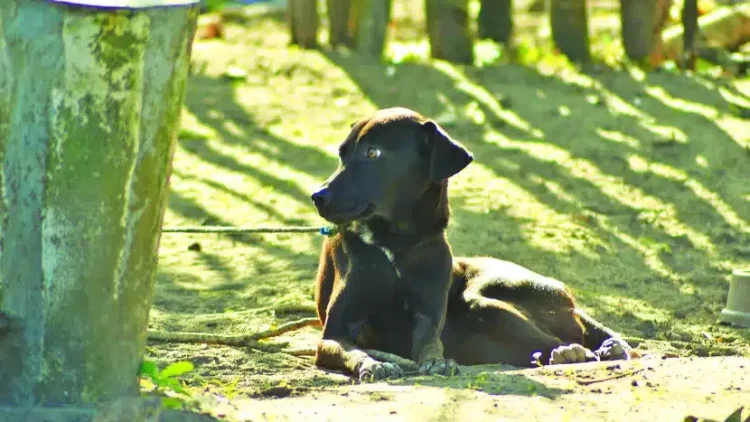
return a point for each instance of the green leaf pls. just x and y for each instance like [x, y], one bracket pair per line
[176, 369]
[149, 368]
[172, 403]
[174, 385]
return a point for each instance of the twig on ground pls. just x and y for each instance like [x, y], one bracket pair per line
[286, 308]
[285, 328]
[405, 364]
[215, 339]
[251, 340]
[611, 377]
[308, 351]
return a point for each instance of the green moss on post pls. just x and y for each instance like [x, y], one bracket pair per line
[90, 100]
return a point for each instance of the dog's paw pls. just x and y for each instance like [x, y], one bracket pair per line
[438, 366]
[614, 349]
[372, 370]
[571, 353]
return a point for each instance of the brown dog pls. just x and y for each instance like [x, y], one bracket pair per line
[387, 280]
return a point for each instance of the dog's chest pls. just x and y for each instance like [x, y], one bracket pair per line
[368, 237]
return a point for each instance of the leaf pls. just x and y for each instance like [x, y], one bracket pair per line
[736, 416]
[149, 368]
[176, 369]
[174, 385]
[172, 403]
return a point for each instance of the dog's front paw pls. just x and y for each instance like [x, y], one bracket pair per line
[438, 366]
[614, 349]
[571, 353]
[372, 370]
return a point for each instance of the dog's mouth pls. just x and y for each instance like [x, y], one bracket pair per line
[357, 213]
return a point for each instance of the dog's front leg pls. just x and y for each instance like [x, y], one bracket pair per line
[342, 353]
[429, 300]
[337, 349]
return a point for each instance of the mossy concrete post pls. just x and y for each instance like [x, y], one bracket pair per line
[90, 100]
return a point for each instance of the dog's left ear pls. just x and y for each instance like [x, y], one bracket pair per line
[447, 157]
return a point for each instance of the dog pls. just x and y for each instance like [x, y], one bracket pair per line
[387, 280]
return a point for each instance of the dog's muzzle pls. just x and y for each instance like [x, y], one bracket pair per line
[339, 212]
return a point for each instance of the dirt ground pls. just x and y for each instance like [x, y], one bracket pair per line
[630, 187]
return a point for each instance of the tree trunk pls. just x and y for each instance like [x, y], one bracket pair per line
[90, 101]
[570, 28]
[448, 30]
[642, 22]
[303, 22]
[373, 17]
[495, 20]
[340, 31]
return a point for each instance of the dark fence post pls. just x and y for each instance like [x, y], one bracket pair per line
[642, 22]
[570, 28]
[448, 30]
[339, 22]
[372, 26]
[495, 20]
[303, 22]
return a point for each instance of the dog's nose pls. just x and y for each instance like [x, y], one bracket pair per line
[321, 197]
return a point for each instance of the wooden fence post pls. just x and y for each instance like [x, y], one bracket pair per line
[495, 20]
[303, 22]
[570, 28]
[448, 30]
[642, 22]
[372, 17]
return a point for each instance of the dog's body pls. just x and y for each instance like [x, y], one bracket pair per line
[387, 280]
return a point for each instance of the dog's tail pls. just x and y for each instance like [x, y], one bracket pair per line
[596, 332]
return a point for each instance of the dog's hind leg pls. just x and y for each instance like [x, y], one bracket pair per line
[488, 331]
[606, 344]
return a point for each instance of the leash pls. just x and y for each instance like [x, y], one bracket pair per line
[323, 231]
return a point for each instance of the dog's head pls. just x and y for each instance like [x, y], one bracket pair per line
[387, 164]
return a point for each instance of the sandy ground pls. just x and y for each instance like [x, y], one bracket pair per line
[630, 187]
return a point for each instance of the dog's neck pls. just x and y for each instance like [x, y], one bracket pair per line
[429, 215]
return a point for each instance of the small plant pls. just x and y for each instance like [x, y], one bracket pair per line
[165, 383]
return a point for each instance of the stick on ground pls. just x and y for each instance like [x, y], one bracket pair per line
[251, 340]
[405, 364]
[611, 377]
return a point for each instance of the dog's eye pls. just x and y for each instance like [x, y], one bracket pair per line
[373, 153]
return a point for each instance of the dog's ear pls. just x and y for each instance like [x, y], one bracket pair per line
[447, 157]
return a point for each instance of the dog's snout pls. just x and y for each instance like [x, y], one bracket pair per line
[321, 197]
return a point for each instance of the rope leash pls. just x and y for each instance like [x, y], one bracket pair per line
[324, 231]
